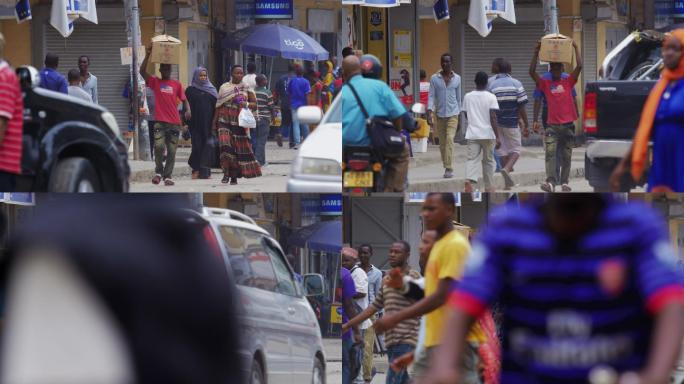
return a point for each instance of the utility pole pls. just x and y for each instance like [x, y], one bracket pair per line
[135, 42]
[551, 16]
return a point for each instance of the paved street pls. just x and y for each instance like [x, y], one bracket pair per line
[274, 178]
[333, 350]
[426, 171]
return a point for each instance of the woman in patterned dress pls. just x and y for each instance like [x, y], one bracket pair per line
[237, 157]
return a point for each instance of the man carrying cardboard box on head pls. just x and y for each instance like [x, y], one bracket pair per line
[167, 126]
[560, 134]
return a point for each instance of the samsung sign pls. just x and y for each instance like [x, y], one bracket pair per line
[331, 204]
[273, 9]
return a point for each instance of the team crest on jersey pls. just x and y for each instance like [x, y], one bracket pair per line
[612, 276]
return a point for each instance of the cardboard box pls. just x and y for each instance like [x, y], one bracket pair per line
[556, 48]
[165, 50]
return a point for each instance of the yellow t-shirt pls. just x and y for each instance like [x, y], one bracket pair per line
[447, 259]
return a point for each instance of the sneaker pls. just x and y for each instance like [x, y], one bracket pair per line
[566, 188]
[508, 181]
[292, 145]
[169, 182]
[548, 187]
[156, 179]
[448, 173]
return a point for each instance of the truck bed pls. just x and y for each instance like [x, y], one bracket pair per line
[618, 107]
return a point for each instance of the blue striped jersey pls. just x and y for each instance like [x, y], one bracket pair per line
[510, 94]
[570, 306]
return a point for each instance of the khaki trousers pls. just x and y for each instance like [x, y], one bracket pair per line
[446, 129]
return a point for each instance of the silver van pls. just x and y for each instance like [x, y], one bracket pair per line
[282, 341]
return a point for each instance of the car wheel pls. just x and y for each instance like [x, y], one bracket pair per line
[74, 174]
[318, 372]
[256, 376]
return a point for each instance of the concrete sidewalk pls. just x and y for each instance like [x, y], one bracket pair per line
[143, 171]
[426, 170]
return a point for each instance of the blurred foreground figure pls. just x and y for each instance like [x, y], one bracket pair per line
[118, 289]
[587, 286]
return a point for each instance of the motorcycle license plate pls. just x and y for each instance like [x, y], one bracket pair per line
[358, 179]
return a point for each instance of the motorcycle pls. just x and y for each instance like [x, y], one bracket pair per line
[362, 170]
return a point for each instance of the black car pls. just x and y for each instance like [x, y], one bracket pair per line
[69, 145]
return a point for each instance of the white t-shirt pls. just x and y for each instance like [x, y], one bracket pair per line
[250, 81]
[476, 105]
[361, 282]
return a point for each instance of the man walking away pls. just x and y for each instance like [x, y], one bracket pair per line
[50, 78]
[282, 98]
[351, 339]
[402, 338]
[444, 267]
[75, 88]
[560, 135]
[444, 100]
[11, 124]
[250, 78]
[483, 133]
[88, 80]
[167, 128]
[264, 116]
[297, 89]
[512, 100]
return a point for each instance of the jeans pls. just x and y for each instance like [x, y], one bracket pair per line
[165, 135]
[346, 348]
[393, 352]
[259, 139]
[359, 378]
[286, 122]
[298, 130]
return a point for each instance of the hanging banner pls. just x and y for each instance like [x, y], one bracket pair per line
[274, 9]
[22, 11]
[441, 10]
[381, 3]
[402, 66]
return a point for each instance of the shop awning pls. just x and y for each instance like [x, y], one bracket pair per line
[324, 236]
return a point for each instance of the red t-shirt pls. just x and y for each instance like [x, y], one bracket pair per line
[166, 96]
[559, 100]
[11, 108]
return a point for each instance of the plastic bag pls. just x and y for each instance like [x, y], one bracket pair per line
[246, 119]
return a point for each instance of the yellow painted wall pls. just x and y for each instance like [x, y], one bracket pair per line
[434, 42]
[379, 47]
[17, 42]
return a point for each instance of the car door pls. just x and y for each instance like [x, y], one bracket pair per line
[304, 333]
[263, 317]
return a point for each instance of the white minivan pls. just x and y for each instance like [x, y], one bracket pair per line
[282, 341]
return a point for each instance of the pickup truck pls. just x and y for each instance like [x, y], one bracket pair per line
[612, 105]
[69, 145]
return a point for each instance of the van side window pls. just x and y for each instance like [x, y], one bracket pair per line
[286, 284]
[251, 265]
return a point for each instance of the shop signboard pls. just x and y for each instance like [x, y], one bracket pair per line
[18, 198]
[331, 204]
[274, 9]
[678, 9]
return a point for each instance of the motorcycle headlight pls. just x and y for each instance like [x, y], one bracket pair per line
[110, 120]
[308, 166]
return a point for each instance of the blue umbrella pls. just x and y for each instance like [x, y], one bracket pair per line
[325, 236]
[276, 40]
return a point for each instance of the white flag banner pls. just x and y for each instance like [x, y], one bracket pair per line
[62, 15]
[353, 2]
[91, 13]
[483, 12]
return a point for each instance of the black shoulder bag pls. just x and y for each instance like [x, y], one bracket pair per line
[384, 137]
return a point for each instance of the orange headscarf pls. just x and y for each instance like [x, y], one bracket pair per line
[643, 134]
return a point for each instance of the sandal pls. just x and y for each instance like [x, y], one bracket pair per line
[566, 188]
[548, 187]
[225, 179]
[233, 181]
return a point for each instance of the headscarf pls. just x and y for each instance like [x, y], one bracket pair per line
[230, 91]
[329, 77]
[205, 85]
[643, 134]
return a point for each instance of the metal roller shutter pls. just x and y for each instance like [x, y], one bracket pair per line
[100, 42]
[513, 42]
[590, 52]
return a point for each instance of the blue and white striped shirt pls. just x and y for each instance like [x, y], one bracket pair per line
[510, 94]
